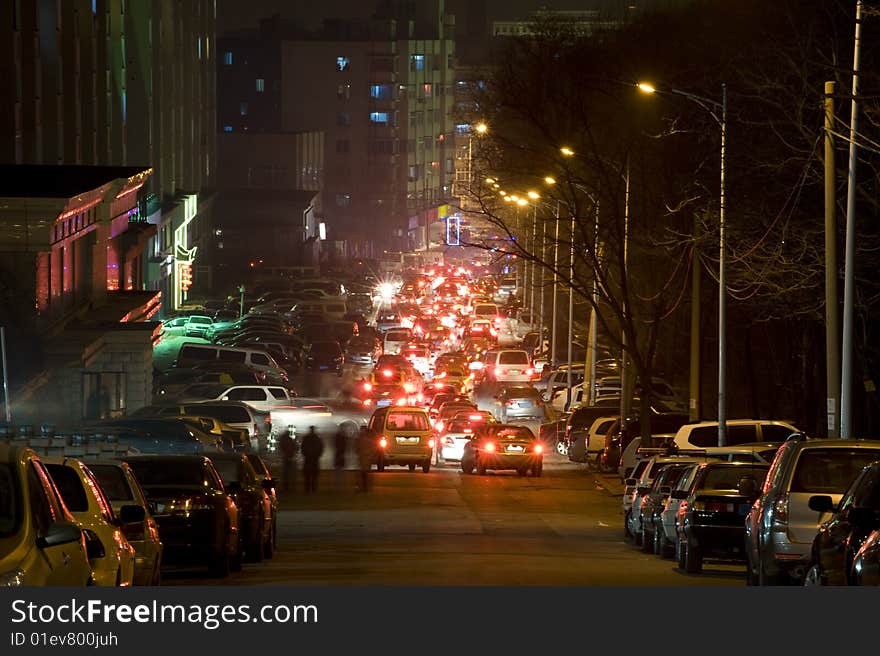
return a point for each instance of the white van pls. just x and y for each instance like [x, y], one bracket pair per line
[192, 354]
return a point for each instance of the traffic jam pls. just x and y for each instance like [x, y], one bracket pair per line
[436, 368]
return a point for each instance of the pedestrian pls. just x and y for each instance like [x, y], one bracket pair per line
[340, 444]
[288, 452]
[365, 451]
[312, 448]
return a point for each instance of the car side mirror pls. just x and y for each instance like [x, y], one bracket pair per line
[630, 482]
[821, 503]
[132, 514]
[678, 494]
[60, 533]
[748, 487]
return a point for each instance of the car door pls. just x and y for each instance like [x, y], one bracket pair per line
[63, 564]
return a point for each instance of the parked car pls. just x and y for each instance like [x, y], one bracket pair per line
[866, 564]
[198, 520]
[710, 524]
[504, 446]
[653, 538]
[40, 542]
[252, 500]
[122, 490]
[197, 326]
[586, 446]
[781, 525]
[363, 351]
[325, 356]
[236, 414]
[110, 554]
[269, 483]
[738, 431]
[261, 397]
[840, 538]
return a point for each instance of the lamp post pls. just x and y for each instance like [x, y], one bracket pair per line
[714, 107]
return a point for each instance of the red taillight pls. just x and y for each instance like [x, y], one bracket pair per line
[368, 401]
[511, 403]
[401, 401]
[490, 447]
[387, 373]
[420, 397]
[530, 372]
[475, 417]
[438, 426]
[383, 443]
[368, 387]
[539, 448]
[467, 430]
[256, 430]
[431, 443]
[780, 514]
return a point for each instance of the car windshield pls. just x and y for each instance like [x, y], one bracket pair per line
[522, 393]
[830, 471]
[10, 502]
[727, 478]
[416, 421]
[158, 473]
[325, 347]
[113, 482]
[514, 433]
[513, 357]
[397, 336]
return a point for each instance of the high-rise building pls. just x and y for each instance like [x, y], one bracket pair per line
[380, 91]
[120, 83]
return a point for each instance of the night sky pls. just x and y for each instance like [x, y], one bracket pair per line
[236, 14]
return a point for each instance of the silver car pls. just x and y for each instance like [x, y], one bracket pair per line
[780, 526]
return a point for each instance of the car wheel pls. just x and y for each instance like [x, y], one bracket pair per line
[561, 449]
[522, 471]
[156, 579]
[426, 466]
[814, 576]
[380, 465]
[679, 554]
[269, 545]
[255, 552]
[412, 466]
[237, 557]
[765, 578]
[538, 469]
[467, 467]
[751, 574]
[627, 536]
[693, 559]
[481, 469]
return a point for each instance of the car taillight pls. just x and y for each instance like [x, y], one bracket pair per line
[431, 443]
[512, 402]
[475, 417]
[368, 401]
[368, 387]
[409, 388]
[539, 449]
[500, 371]
[779, 520]
[530, 372]
[490, 447]
[402, 401]
[386, 373]
[467, 431]
[383, 443]
[134, 531]
[420, 397]
[438, 426]
[256, 429]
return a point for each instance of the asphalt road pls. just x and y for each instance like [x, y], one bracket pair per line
[445, 528]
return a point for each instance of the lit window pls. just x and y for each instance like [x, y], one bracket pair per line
[426, 90]
[343, 63]
[261, 85]
[416, 62]
[462, 128]
[227, 58]
[227, 128]
[343, 200]
[379, 117]
[380, 91]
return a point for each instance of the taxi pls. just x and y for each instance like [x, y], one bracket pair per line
[403, 437]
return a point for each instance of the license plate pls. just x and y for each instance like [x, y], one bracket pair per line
[515, 371]
[525, 404]
[514, 449]
[407, 440]
[383, 403]
[323, 367]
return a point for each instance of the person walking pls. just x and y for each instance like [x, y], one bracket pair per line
[312, 448]
[288, 452]
[340, 444]
[365, 451]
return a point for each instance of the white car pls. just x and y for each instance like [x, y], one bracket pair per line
[459, 433]
[395, 340]
[261, 397]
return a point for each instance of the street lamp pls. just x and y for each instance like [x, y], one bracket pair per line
[713, 107]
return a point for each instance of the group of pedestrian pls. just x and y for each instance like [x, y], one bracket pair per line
[312, 448]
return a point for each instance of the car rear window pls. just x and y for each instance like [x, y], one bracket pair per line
[227, 468]
[113, 482]
[727, 478]
[406, 421]
[513, 357]
[70, 486]
[151, 473]
[397, 336]
[830, 471]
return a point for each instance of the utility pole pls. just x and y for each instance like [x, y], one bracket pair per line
[832, 337]
[624, 366]
[543, 291]
[5, 375]
[694, 400]
[590, 364]
[850, 256]
[570, 314]
[241, 303]
[555, 294]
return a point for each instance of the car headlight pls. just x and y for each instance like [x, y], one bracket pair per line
[15, 578]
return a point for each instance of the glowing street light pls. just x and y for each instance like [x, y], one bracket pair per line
[647, 88]
[550, 180]
[481, 128]
[534, 195]
[568, 152]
